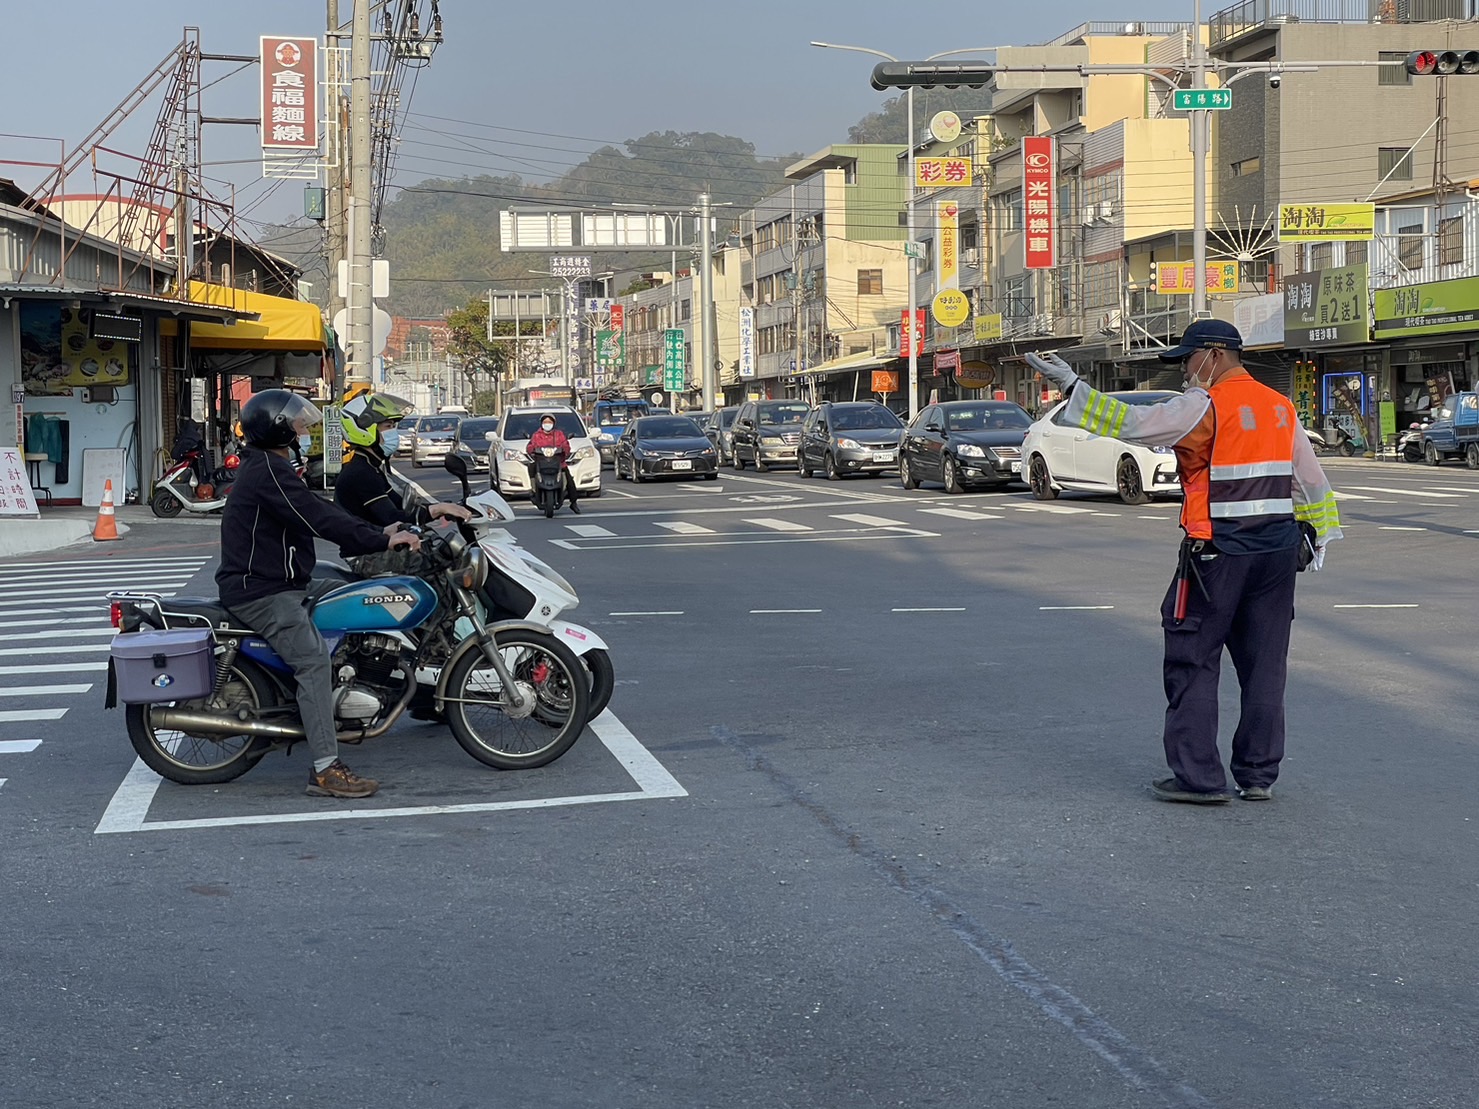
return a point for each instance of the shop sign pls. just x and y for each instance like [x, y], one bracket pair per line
[1260, 320]
[976, 375]
[1417, 356]
[1177, 278]
[987, 327]
[1324, 223]
[1304, 391]
[947, 361]
[951, 308]
[289, 93]
[905, 330]
[1038, 196]
[1325, 308]
[16, 496]
[747, 342]
[932, 173]
[1432, 308]
[885, 381]
[611, 348]
[651, 375]
[947, 219]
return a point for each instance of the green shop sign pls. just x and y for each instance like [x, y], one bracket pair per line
[1434, 308]
[1325, 308]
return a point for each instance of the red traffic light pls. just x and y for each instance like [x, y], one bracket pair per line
[1442, 63]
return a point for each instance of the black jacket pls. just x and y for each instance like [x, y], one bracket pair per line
[363, 489]
[268, 527]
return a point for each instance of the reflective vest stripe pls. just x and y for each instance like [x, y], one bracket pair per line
[1322, 515]
[1104, 416]
[1230, 510]
[1252, 469]
[1279, 488]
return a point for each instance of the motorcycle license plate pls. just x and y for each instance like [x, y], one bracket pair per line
[1016, 467]
[883, 456]
[682, 464]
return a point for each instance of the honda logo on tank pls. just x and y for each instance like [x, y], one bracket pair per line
[1040, 240]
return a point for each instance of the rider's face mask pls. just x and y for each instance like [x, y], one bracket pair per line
[390, 440]
[547, 426]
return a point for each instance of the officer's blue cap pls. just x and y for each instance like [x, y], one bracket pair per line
[1204, 335]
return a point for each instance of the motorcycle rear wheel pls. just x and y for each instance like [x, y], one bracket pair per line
[195, 761]
[475, 702]
[603, 679]
[165, 504]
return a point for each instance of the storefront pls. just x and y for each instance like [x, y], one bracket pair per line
[1433, 329]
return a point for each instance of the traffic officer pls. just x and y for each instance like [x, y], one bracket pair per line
[1254, 494]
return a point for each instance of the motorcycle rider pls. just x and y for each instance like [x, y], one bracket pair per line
[363, 487]
[267, 531]
[549, 435]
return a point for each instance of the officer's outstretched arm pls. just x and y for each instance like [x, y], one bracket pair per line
[1154, 425]
[1314, 500]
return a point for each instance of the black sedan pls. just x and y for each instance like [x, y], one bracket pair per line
[665, 446]
[963, 443]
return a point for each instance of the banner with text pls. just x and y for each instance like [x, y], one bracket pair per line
[747, 342]
[933, 173]
[289, 93]
[1039, 174]
[1325, 308]
[905, 331]
[1177, 278]
[947, 258]
[1324, 223]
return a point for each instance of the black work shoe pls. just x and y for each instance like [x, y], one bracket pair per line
[575, 508]
[337, 780]
[1255, 793]
[1169, 789]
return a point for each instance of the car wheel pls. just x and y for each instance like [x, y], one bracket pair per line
[1430, 454]
[806, 471]
[951, 475]
[1471, 456]
[906, 479]
[830, 465]
[760, 464]
[1128, 481]
[1039, 480]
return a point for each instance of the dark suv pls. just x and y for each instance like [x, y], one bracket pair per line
[849, 437]
[767, 432]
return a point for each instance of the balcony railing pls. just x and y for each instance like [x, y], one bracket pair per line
[1252, 15]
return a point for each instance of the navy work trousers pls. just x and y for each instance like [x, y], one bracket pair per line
[1248, 609]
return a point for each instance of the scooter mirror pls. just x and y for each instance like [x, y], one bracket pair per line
[456, 465]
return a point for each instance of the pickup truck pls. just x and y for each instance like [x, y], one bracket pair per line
[1454, 432]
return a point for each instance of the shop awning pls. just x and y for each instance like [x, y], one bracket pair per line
[281, 325]
[867, 360]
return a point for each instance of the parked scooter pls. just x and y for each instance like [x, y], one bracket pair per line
[546, 478]
[1410, 442]
[186, 487]
[1348, 444]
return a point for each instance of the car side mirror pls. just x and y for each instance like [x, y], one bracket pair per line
[932, 426]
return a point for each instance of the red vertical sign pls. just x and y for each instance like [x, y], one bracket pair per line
[904, 331]
[289, 93]
[1039, 203]
[618, 317]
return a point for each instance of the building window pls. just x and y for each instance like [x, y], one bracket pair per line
[1451, 241]
[687, 311]
[1410, 245]
[1356, 252]
[870, 283]
[1392, 74]
[903, 219]
[1321, 255]
[1394, 163]
[1008, 208]
[1247, 166]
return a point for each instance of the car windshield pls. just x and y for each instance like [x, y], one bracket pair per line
[522, 425]
[476, 431]
[669, 427]
[726, 417]
[987, 417]
[608, 415]
[870, 418]
[782, 413]
[438, 423]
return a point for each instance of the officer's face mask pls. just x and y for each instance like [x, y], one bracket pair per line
[1200, 362]
[390, 441]
[547, 426]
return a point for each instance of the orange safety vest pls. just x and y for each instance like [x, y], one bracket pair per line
[1241, 498]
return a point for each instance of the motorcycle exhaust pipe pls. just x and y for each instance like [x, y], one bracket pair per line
[210, 723]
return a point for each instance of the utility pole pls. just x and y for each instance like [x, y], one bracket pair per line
[703, 354]
[1201, 127]
[360, 356]
[334, 202]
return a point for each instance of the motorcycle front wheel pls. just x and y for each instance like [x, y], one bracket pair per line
[195, 760]
[475, 702]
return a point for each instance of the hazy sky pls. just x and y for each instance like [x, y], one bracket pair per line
[576, 73]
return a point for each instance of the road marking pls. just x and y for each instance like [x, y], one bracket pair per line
[1454, 489]
[18, 747]
[1150, 517]
[1397, 527]
[53, 668]
[779, 611]
[927, 610]
[899, 532]
[129, 808]
[19, 595]
[96, 610]
[656, 613]
[19, 716]
[1060, 509]
[1074, 608]
[870, 521]
[39, 690]
[72, 633]
[1374, 606]
[102, 573]
[73, 648]
[1341, 496]
[590, 531]
[777, 525]
[162, 561]
[153, 590]
[1406, 492]
[960, 514]
[683, 528]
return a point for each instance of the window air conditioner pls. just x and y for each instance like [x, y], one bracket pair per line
[970, 256]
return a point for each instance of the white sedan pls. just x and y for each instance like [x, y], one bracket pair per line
[508, 473]
[1059, 456]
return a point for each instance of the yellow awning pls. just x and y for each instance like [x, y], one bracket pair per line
[281, 324]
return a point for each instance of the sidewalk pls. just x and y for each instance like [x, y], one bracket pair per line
[69, 526]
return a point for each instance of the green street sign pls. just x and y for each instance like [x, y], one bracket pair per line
[673, 380]
[1196, 100]
[674, 362]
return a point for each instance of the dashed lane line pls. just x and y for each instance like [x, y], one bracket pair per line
[22, 716]
[960, 514]
[43, 690]
[681, 527]
[1407, 492]
[781, 611]
[777, 525]
[18, 747]
[870, 521]
[590, 531]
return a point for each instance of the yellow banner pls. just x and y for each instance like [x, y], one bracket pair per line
[1323, 223]
[1179, 278]
[936, 173]
[987, 328]
[947, 216]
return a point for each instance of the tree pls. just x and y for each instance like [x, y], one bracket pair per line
[484, 363]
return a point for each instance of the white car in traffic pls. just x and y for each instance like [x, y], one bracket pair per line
[508, 473]
[1058, 455]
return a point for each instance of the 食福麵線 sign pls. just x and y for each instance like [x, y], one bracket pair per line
[289, 93]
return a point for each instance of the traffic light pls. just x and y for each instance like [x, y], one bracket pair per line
[927, 75]
[1440, 63]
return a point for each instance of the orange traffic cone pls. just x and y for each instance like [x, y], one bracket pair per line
[107, 526]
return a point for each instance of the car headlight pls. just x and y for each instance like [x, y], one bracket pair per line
[707, 450]
[607, 437]
[510, 455]
[849, 444]
[772, 441]
[970, 450]
[581, 452]
[1162, 450]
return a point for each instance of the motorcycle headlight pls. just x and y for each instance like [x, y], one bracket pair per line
[849, 444]
[970, 450]
[474, 572]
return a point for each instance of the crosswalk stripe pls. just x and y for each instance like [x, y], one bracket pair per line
[18, 747]
[18, 596]
[53, 668]
[73, 633]
[960, 514]
[43, 690]
[590, 531]
[682, 527]
[96, 610]
[777, 525]
[1341, 495]
[870, 521]
[1059, 509]
[74, 648]
[101, 573]
[1407, 492]
[21, 716]
[90, 563]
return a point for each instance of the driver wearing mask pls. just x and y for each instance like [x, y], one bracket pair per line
[549, 435]
[363, 487]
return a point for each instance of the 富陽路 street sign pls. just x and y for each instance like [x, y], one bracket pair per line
[1192, 100]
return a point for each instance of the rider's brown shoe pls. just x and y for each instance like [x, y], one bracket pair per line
[338, 780]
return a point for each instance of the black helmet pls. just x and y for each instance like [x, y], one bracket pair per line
[274, 418]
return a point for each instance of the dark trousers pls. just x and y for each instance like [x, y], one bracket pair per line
[1249, 612]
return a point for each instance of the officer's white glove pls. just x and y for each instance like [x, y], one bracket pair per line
[1053, 369]
[1319, 560]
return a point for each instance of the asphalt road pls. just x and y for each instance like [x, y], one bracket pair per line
[867, 826]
